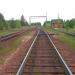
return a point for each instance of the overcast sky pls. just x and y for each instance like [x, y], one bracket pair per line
[15, 8]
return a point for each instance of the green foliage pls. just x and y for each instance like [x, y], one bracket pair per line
[72, 23]
[47, 23]
[64, 38]
[69, 23]
[8, 24]
[18, 23]
[68, 40]
[12, 23]
[38, 73]
[66, 24]
[23, 21]
[36, 24]
[2, 22]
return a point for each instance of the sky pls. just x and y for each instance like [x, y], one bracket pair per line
[15, 8]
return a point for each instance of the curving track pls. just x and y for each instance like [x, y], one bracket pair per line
[43, 59]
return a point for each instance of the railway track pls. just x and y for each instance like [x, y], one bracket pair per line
[15, 34]
[43, 58]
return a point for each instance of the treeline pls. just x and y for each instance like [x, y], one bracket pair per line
[47, 23]
[69, 23]
[66, 23]
[12, 23]
[36, 24]
[7, 24]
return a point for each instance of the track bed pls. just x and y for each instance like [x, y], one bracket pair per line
[43, 60]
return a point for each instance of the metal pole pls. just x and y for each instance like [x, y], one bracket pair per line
[46, 18]
[30, 20]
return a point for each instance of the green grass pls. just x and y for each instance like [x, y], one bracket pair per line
[69, 29]
[6, 32]
[9, 31]
[38, 73]
[68, 40]
[47, 28]
[12, 46]
[4, 51]
[64, 38]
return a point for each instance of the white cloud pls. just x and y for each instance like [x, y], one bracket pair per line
[14, 8]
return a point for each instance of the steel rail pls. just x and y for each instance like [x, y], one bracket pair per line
[67, 69]
[11, 35]
[21, 68]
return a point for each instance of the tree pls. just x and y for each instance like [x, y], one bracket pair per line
[12, 23]
[47, 23]
[70, 23]
[18, 23]
[2, 22]
[36, 24]
[66, 23]
[23, 21]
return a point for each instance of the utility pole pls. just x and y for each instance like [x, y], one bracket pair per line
[29, 20]
[46, 17]
[58, 18]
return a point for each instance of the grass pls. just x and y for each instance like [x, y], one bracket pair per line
[13, 44]
[68, 40]
[38, 73]
[7, 49]
[6, 32]
[64, 38]
[9, 31]
[4, 51]
[47, 28]
[69, 29]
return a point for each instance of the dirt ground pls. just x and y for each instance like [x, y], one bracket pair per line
[10, 55]
[66, 52]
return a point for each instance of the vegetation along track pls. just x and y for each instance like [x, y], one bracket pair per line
[12, 35]
[43, 58]
[68, 33]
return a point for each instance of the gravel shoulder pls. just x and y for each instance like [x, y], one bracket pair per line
[66, 52]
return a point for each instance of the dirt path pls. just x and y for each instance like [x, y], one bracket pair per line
[17, 56]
